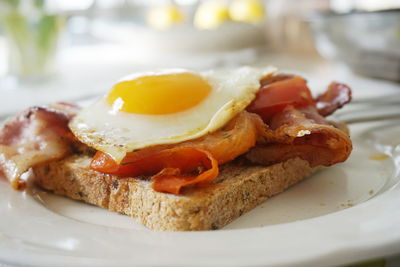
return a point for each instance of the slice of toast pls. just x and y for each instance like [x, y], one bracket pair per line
[239, 188]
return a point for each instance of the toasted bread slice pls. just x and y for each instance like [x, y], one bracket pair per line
[239, 188]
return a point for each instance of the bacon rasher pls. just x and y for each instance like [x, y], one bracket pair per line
[35, 136]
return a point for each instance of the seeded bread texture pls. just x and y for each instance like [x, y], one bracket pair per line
[239, 188]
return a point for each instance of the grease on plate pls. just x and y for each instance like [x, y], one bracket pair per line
[379, 157]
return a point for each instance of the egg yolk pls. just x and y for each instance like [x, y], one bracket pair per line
[159, 94]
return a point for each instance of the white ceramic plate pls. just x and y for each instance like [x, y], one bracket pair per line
[348, 212]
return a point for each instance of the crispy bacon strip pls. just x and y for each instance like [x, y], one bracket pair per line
[301, 132]
[35, 136]
[171, 165]
[337, 95]
[273, 97]
[236, 138]
[172, 169]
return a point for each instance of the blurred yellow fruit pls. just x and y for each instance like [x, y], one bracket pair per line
[211, 14]
[247, 11]
[163, 17]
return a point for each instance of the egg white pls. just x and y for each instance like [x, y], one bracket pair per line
[118, 133]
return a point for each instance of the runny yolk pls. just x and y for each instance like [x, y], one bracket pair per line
[159, 94]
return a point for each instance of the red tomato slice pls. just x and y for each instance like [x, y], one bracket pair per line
[173, 168]
[275, 96]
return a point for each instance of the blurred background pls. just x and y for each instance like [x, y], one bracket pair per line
[68, 50]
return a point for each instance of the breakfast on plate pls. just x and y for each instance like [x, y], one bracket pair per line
[177, 149]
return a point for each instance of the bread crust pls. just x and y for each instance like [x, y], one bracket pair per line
[239, 188]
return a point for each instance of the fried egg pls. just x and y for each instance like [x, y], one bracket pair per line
[165, 107]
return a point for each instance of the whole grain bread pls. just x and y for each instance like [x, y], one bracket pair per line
[239, 188]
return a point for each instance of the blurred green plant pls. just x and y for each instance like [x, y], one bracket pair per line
[32, 35]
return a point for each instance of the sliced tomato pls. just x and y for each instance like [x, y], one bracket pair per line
[275, 96]
[172, 169]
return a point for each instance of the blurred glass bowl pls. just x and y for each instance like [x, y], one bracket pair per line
[368, 42]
